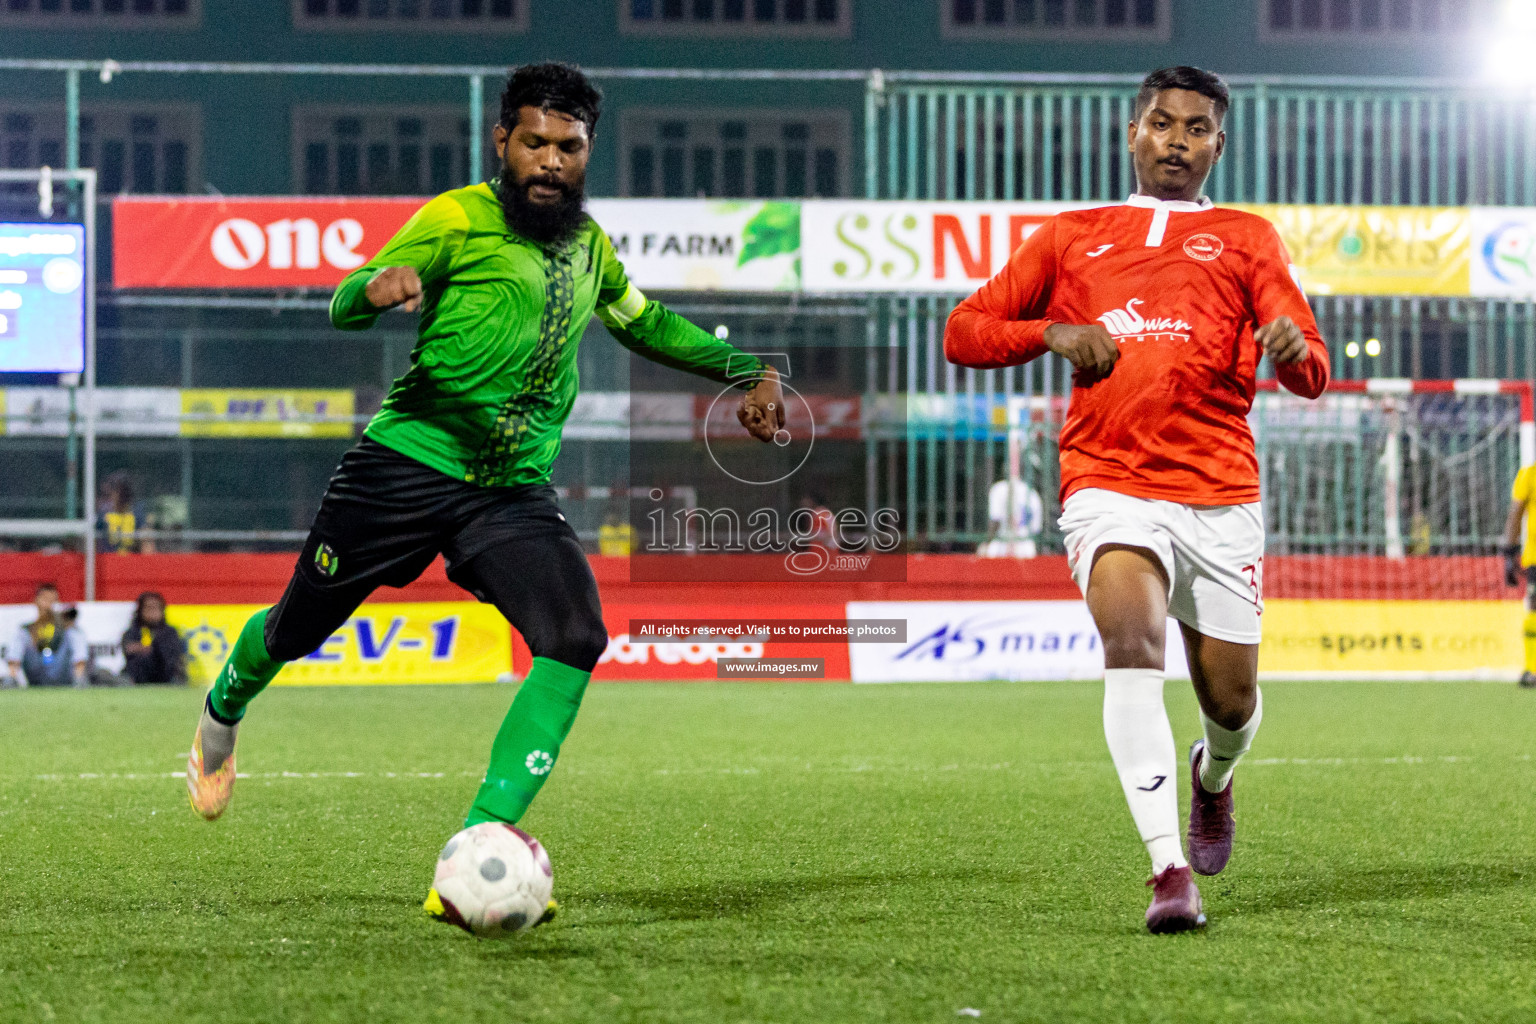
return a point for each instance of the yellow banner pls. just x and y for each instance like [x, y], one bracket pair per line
[1460, 639]
[1377, 250]
[260, 412]
[439, 642]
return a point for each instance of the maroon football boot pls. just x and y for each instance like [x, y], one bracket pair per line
[1175, 903]
[1211, 822]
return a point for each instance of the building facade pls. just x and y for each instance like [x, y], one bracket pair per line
[268, 134]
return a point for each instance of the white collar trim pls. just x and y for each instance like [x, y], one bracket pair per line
[1171, 205]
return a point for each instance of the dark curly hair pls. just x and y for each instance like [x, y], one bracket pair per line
[551, 86]
[1184, 77]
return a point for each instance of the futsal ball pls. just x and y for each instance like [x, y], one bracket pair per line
[493, 879]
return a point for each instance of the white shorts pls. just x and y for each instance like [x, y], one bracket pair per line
[1213, 555]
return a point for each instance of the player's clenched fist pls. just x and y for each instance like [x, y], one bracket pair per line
[1283, 341]
[395, 286]
[1088, 347]
[762, 409]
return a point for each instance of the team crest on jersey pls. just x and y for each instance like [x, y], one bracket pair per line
[1203, 247]
[1129, 325]
[326, 560]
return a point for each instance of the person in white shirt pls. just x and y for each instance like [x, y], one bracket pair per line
[51, 651]
[1016, 513]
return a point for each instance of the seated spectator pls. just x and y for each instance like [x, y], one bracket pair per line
[152, 649]
[50, 651]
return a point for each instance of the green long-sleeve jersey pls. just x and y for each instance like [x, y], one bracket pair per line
[493, 373]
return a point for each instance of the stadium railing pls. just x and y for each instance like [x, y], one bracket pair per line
[926, 135]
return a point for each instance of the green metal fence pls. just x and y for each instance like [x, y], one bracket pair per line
[1054, 137]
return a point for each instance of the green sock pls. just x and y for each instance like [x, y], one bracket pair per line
[247, 672]
[529, 741]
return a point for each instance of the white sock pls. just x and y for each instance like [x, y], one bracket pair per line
[1225, 747]
[1141, 745]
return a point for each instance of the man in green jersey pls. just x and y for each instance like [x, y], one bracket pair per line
[507, 275]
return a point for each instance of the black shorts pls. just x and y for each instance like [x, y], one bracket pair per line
[385, 517]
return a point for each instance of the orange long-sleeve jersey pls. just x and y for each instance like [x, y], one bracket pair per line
[1181, 287]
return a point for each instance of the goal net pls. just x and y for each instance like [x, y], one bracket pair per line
[1384, 489]
[1390, 488]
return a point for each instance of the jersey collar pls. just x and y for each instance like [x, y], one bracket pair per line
[1171, 205]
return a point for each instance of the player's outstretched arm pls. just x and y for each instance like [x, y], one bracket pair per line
[1004, 323]
[651, 330]
[421, 252]
[660, 335]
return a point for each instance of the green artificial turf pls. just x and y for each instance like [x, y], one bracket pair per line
[750, 852]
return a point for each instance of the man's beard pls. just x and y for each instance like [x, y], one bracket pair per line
[552, 224]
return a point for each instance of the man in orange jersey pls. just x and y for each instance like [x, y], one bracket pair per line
[1164, 306]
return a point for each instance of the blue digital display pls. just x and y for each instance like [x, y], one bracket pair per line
[42, 298]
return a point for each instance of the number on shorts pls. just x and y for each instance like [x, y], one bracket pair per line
[1256, 582]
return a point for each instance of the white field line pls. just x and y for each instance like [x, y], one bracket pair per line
[854, 769]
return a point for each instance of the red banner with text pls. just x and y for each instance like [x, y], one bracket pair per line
[248, 243]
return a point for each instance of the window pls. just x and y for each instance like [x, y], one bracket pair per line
[500, 16]
[819, 19]
[734, 153]
[1057, 19]
[134, 147]
[1378, 19]
[407, 151]
[104, 14]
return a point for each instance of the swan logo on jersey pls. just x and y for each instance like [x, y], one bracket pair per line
[1203, 247]
[1129, 325]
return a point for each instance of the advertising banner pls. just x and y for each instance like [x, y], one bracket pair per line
[1503, 252]
[174, 412]
[818, 246]
[442, 642]
[973, 641]
[279, 242]
[301, 242]
[949, 247]
[1377, 250]
[253, 412]
[704, 245]
[120, 412]
[1382, 639]
[953, 247]
[1046, 640]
